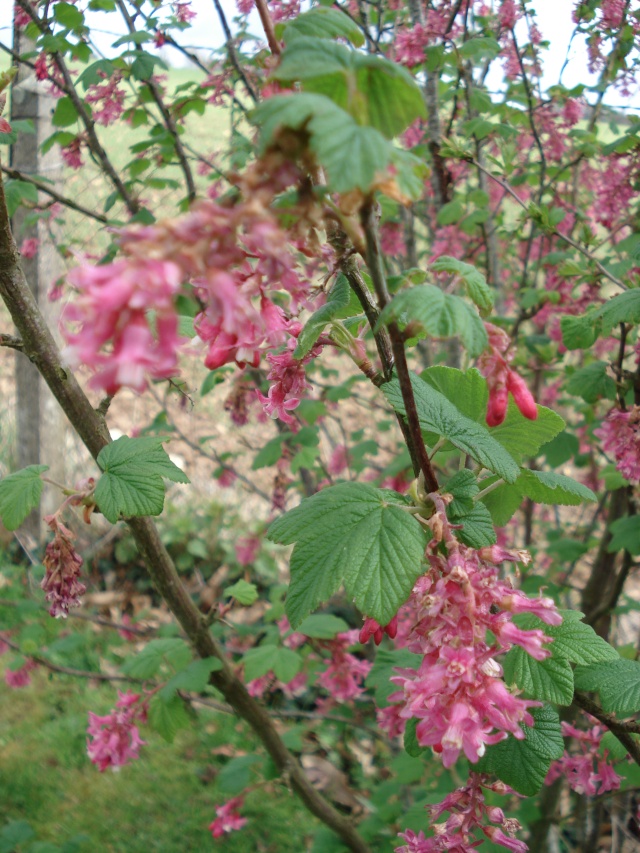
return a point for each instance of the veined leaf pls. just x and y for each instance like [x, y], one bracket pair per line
[20, 493]
[475, 283]
[547, 487]
[616, 681]
[337, 299]
[324, 22]
[350, 533]
[549, 680]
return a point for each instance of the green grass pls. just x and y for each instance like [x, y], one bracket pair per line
[163, 802]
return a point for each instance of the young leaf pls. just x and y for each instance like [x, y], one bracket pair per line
[578, 332]
[477, 527]
[592, 382]
[524, 764]
[337, 299]
[194, 678]
[19, 494]
[626, 535]
[167, 650]
[463, 486]
[616, 681]
[547, 487]
[549, 680]
[441, 315]
[411, 744]
[372, 89]
[167, 718]
[440, 416]
[243, 592]
[350, 533]
[475, 283]
[131, 484]
[324, 22]
[322, 626]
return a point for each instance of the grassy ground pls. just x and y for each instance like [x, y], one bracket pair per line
[163, 802]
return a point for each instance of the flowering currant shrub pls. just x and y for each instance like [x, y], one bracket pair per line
[413, 294]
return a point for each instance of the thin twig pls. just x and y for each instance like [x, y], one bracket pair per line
[267, 26]
[45, 188]
[67, 670]
[231, 50]
[622, 731]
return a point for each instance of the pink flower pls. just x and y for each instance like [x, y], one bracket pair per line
[115, 739]
[184, 12]
[61, 583]
[29, 247]
[289, 382]
[16, 678]
[72, 154]
[228, 818]
[345, 675]
[247, 548]
[502, 379]
[107, 99]
[371, 628]
[620, 436]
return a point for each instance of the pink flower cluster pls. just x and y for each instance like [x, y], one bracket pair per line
[113, 305]
[228, 818]
[620, 434]
[17, 678]
[469, 812]
[502, 380]
[457, 694]
[586, 771]
[371, 628]
[106, 99]
[288, 380]
[72, 153]
[61, 583]
[345, 675]
[114, 738]
[232, 255]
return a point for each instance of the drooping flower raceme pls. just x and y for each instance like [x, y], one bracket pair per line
[61, 583]
[586, 768]
[114, 740]
[620, 434]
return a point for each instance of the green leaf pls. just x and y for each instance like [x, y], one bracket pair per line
[440, 416]
[502, 502]
[411, 745]
[258, 661]
[623, 308]
[167, 718]
[337, 299]
[373, 90]
[352, 155]
[65, 113]
[283, 662]
[477, 527]
[578, 332]
[441, 315]
[575, 641]
[523, 764]
[467, 390]
[67, 15]
[523, 438]
[236, 775]
[592, 382]
[626, 535]
[171, 651]
[549, 680]
[616, 681]
[243, 592]
[547, 487]
[143, 65]
[16, 832]
[18, 191]
[384, 666]
[96, 72]
[350, 533]
[560, 449]
[480, 47]
[324, 23]
[19, 494]
[270, 453]
[194, 678]
[132, 482]
[450, 213]
[463, 486]
[475, 283]
[322, 626]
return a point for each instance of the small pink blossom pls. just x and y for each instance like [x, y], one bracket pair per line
[183, 12]
[502, 380]
[16, 678]
[29, 247]
[345, 675]
[106, 99]
[72, 154]
[583, 765]
[247, 548]
[228, 818]
[371, 628]
[114, 738]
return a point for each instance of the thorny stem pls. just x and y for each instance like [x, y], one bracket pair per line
[42, 350]
[417, 448]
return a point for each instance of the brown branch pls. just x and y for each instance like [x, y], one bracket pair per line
[11, 341]
[167, 118]
[132, 204]
[267, 26]
[41, 348]
[417, 449]
[67, 670]
[622, 731]
[45, 188]
[231, 50]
